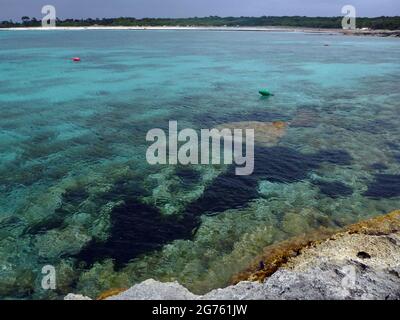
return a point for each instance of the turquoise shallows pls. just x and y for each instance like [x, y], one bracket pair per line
[72, 150]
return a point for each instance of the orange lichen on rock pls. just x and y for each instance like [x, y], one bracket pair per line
[384, 224]
[110, 293]
[276, 255]
[279, 255]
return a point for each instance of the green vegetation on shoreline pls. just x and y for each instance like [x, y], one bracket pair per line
[389, 23]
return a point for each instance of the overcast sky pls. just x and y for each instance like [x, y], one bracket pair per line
[15, 9]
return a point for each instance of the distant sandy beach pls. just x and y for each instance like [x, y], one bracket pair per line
[358, 32]
[270, 29]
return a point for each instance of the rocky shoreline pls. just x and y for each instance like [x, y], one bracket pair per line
[377, 33]
[361, 261]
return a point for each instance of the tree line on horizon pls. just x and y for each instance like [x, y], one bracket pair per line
[390, 23]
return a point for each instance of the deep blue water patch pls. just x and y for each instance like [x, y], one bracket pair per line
[187, 175]
[384, 186]
[378, 166]
[339, 157]
[334, 189]
[136, 229]
[227, 191]
[393, 146]
[376, 126]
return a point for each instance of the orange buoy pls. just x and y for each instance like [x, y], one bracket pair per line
[76, 59]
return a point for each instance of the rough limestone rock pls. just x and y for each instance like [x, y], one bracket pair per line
[351, 266]
[154, 290]
[328, 281]
[72, 296]
[245, 290]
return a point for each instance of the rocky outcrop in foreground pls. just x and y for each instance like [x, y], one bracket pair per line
[360, 262]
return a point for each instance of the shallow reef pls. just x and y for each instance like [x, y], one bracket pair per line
[138, 228]
[172, 188]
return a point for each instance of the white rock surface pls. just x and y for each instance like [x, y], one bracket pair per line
[72, 296]
[154, 290]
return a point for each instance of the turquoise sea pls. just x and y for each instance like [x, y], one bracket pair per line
[77, 193]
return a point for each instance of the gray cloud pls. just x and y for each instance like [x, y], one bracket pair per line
[14, 9]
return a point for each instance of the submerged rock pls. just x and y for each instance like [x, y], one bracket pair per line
[266, 134]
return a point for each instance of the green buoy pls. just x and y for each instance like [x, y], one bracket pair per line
[265, 93]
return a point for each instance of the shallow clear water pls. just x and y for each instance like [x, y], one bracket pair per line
[77, 193]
